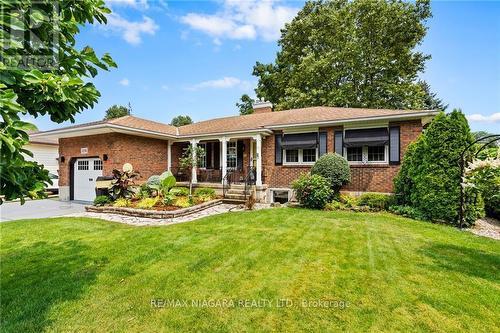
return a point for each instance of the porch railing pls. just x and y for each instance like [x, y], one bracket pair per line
[203, 175]
[233, 176]
[181, 174]
[250, 179]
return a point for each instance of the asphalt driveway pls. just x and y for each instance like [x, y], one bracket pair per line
[34, 209]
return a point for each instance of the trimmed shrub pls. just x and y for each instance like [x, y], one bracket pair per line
[335, 205]
[179, 191]
[334, 168]
[147, 203]
[377, 201]
[348, 200]
[429, 178]
[121, 202]
[102, 200]
[313, 191]
[406, 211]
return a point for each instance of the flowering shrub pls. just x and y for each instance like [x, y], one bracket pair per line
[483, 177]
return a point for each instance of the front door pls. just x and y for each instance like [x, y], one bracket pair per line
[85, 173]
[240, 149]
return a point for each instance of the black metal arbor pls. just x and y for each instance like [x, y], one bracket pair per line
[485, 141]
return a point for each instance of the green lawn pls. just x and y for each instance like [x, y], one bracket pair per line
[396, 274]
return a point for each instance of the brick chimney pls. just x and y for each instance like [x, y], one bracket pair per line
[260, 106]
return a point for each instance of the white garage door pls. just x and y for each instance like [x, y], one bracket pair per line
[85, 172]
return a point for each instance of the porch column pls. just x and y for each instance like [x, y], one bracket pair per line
[223, 141]
[169, 155]
[258, 178]
[250, 159]
[194, 178]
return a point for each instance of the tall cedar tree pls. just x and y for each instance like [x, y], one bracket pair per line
[429, 178]
[358, 53]
[60, 92]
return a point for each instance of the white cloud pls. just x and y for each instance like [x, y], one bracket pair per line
[164, 87]
[493, 118]
[139, 4]
[224, 83]
[243, 20]
[124, 82]
[131, 31]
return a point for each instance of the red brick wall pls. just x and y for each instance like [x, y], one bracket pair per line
[364, 178]
[177, 151]
[148, 156]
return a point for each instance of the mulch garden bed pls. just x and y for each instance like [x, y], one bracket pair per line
[165, 212]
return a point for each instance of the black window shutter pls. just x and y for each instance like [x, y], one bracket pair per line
[322, 143]
[339, 144]
[278, 153]
[394, 145]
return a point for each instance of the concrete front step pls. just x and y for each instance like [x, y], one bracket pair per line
[233, 201]
[235, 191]
[235, 196]
[238, 186]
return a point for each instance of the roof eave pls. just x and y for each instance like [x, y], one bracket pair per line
[101, 129]
[409, 116]
[221, 134]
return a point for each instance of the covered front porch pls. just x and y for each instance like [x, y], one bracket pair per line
[227, 160]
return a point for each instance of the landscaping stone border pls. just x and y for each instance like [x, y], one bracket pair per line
[154, 214]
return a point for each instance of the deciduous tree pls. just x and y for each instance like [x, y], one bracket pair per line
[359, 53]
[245, 105]
[59, 89]
[117, 111]
[181, 121]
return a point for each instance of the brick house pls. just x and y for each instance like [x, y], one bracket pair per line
[268, 149]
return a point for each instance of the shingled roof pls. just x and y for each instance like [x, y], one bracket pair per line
[129, 122]
[310, 115]
[313, 116]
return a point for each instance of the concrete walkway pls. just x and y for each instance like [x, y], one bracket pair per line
[35, 209]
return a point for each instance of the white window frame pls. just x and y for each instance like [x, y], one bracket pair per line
[230, 145]
[203, 145]
[301, 157]
[364, 159]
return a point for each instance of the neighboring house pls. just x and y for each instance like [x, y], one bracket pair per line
[45, 151]
[272, 148]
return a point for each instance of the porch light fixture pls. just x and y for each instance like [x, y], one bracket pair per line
[61, 159]
[105, 157]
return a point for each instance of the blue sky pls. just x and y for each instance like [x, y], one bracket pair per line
[196, 58]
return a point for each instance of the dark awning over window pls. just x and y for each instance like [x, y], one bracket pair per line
[300, 141]
[366, 137]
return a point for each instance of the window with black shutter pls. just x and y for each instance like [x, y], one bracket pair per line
[278, 151]
[323, 137]
[394, 145]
